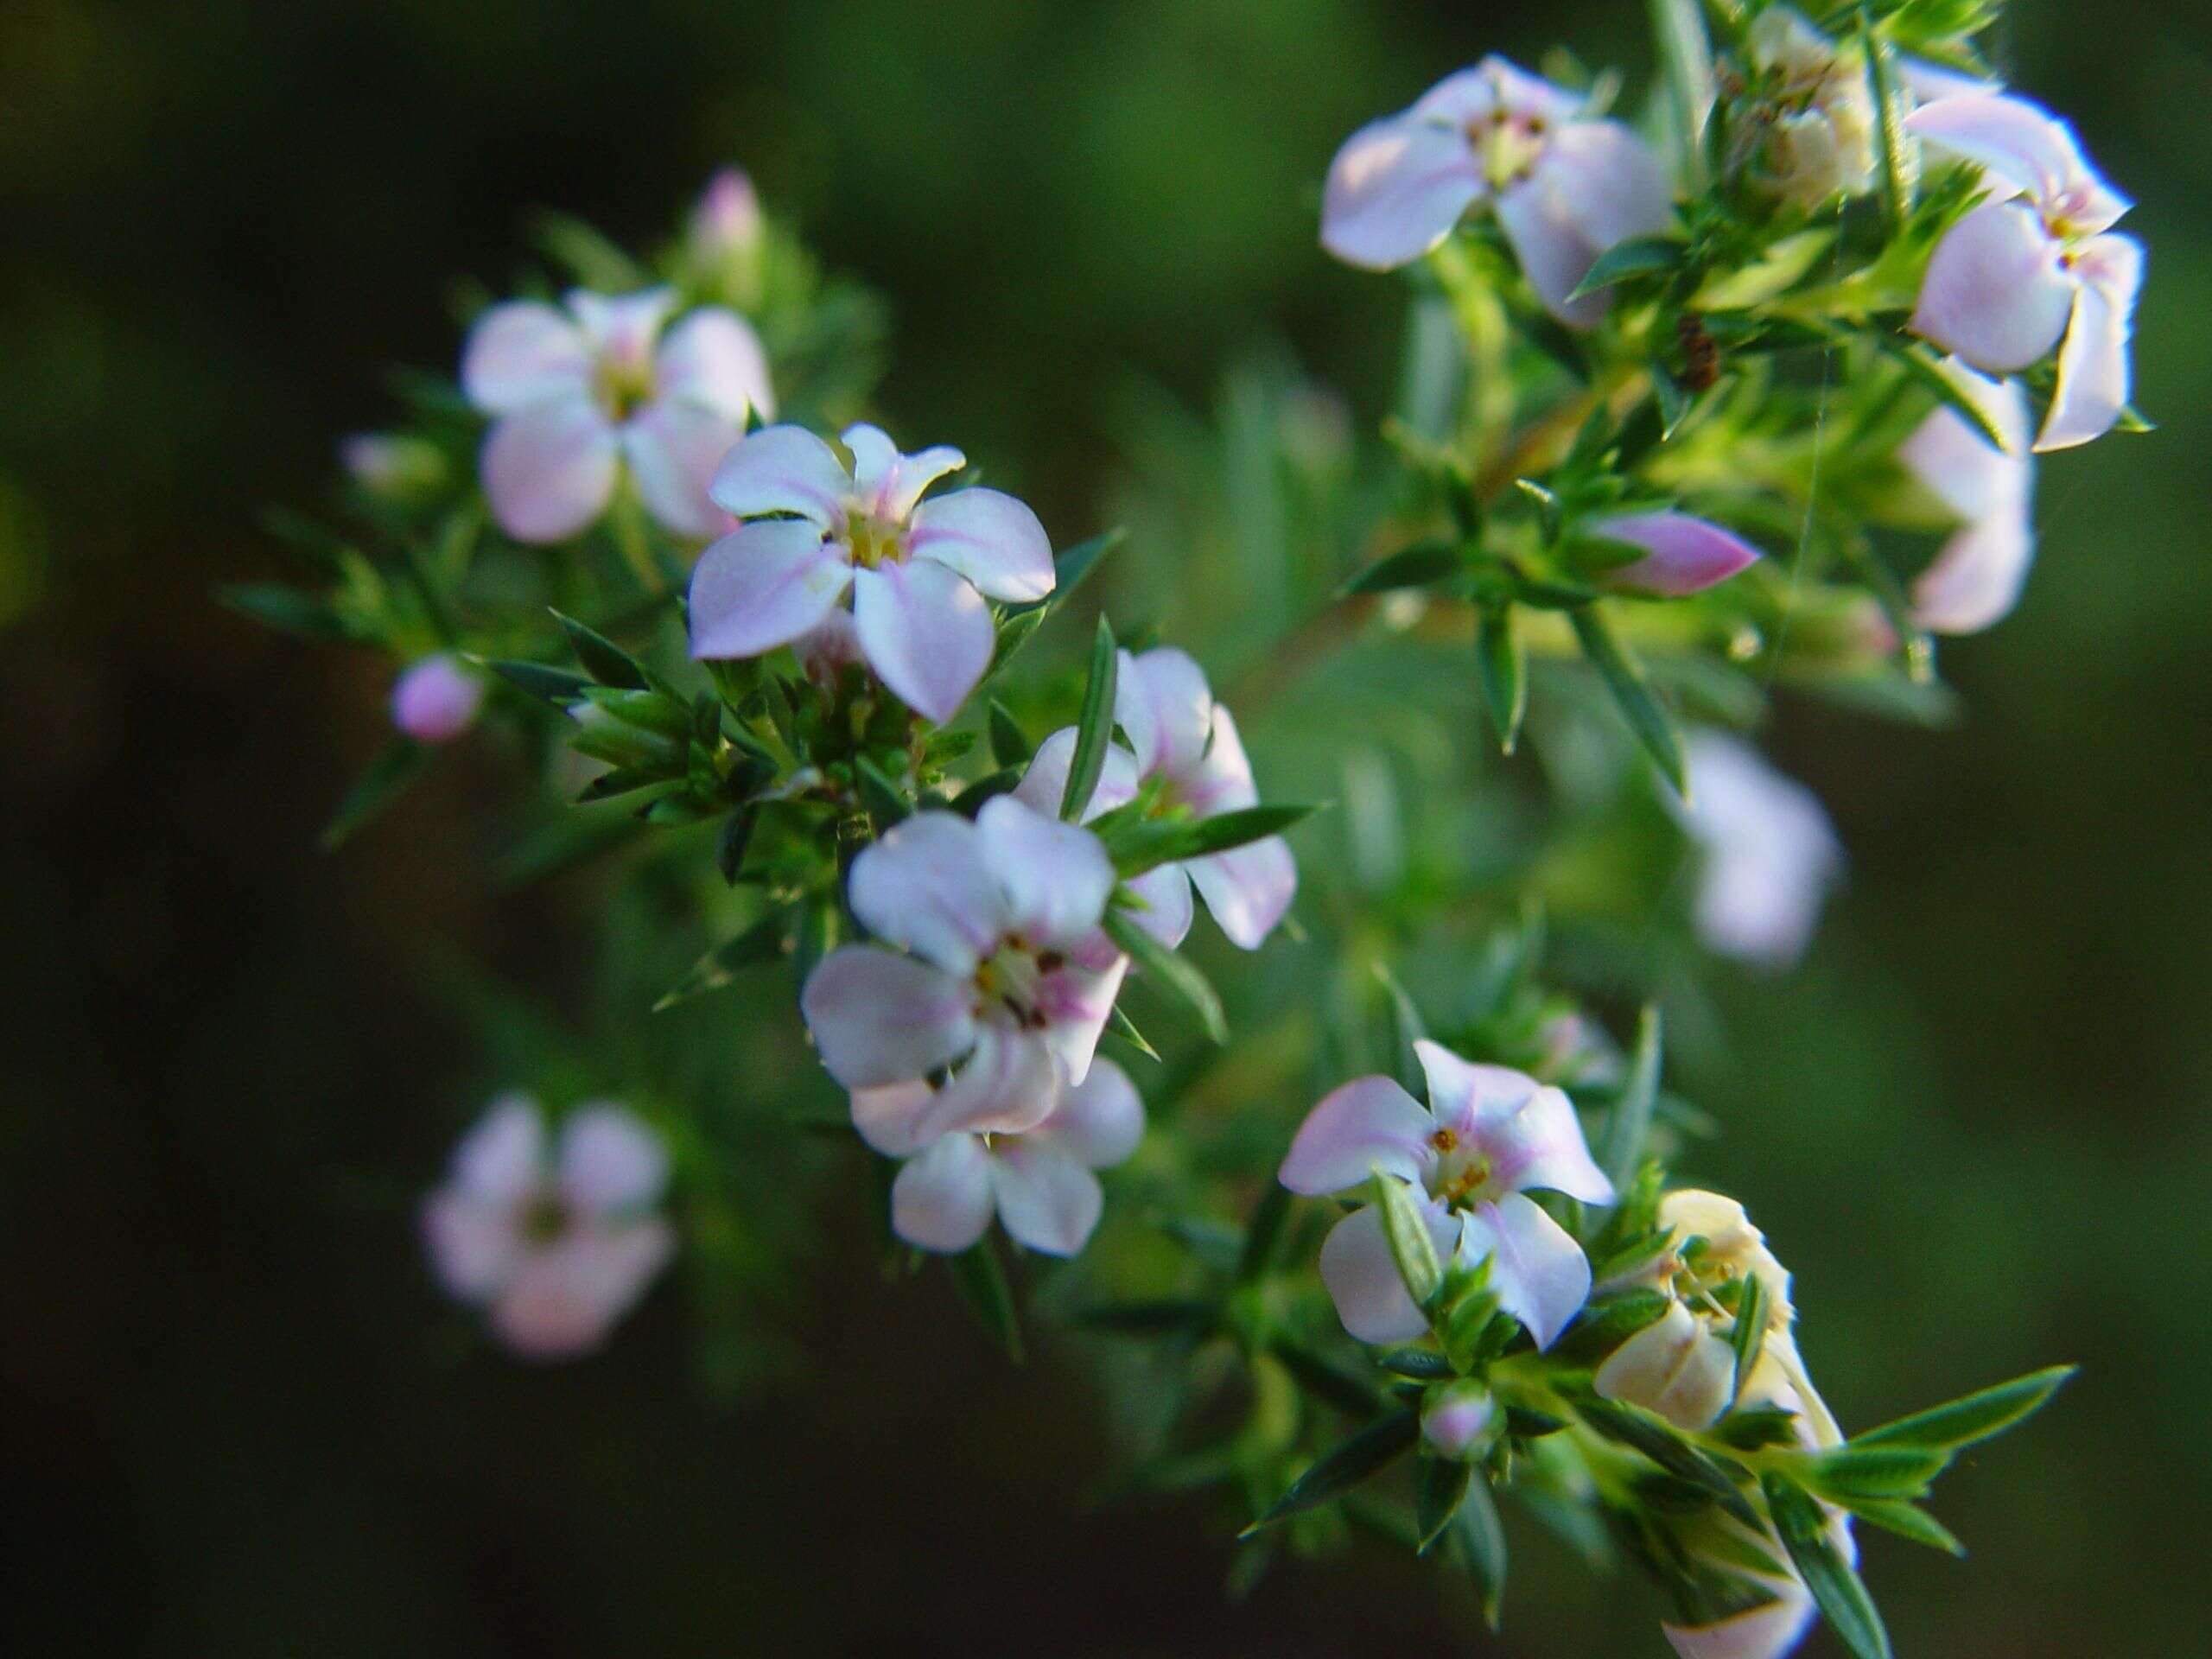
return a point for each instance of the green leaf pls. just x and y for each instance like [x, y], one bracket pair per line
[736, 836]
[1421, 1364]
[1926, 368]
[1502, 663]
[980, 1279]
[1855, 1471]
[886, 802]
[1422, 565]
[1908, 1520]
[1637, 257]
[1630, 1123]
[604, 660]
[1355, 1396]
[1367, 1452]
[558, 686]
[1780, 266]
[1436, 1506]
[1408, 1029]
[1749, 1335]
[400, 763]
[289, 610]
[969, 801]
[623, 780]
[1016, 624]
[1263, 1235]
[1633, 696]
[1406, 1228]
[760, 942]
[1071, 566]
[1686, 60]
[1482, 1543]
[1094, 727]
[1649, 1434]
[1975, 1417]
[1171, 974]
[1898, 173]
[1010, 745]
[1842, 1600]
[1141, 844]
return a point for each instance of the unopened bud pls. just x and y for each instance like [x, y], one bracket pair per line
[436, 700]
[1455, 1418]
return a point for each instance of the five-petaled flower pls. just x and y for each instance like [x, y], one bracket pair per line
[1001, 974]
[557, 1243]
[1186, 749]
[1976, 579]
[2036, 263]
[1038, 1181]
[1487, 1135]
[1565, 187]
[1770, 853]
[918, 571]
[578, 392]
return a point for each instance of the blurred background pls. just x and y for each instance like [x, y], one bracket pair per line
[234, 1417]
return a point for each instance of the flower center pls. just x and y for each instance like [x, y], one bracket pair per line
[1464, 1175]
[1508, 145]
[872, 541]
[622, 385]
[545, 1218]
[1009, 981]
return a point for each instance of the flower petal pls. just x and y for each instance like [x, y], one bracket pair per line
[1674, 1366]
[1766, 1631]
[1010, 1083]
[1056, 876]
[2028, 148]
[1247, 889]
[889, 1118]
[1462, 1095]
[524, 353]
[783, 469]
[1362, 1278]
[1682, 554]
[713, 360]
[989, 537]
[673, 449]
[1168, 909]
[942, 1199]
[610, 1160]
[1995, 292]
[475, 1248]
[1077, 1001]
[567, 1298]
[928, 886]
[1367, 1121]
[1162, 702]
[888, 482]
[926, 632]
[1770, 852]
[622, 327]
[1099, 1120]
[1546, 235]
[1047, 780]
[1395, 190]
[1975, 580]
[1528, 1130]
[502, 1159]
[549, 470]
[1539, 1272]
[2094, 372]
[1611, 181]
[1219, 780]
[1046, 1198]
[1959, 466]
[762, 585]
[878, 1018]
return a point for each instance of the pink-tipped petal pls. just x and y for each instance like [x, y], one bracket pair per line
[927, 633]
[1248, 889]
[890, 1119]
[989, 537]
[549, 469]
[1168, 908]
[1682, 554]
[1056, 876]
[942, 1199]
[1010, 1083]
[1099, 1120]
[1162, 702]
[1527, 1130]
[1047, 780]
[783, 469]
[728, 218]
[521, 354]
[880, 1018]
[713, 360]
[1538, 1271]
[2093, 370]
[610, 1161]
[763, 585]
[435, 701]
[475, 1249]
[1363, 1280]
[502, 1159]
[1395, 190]
[1077, 1001]
[1046, 1200]
[929, 885]
[674, 449]
[1996, 292]
[1362, 1123]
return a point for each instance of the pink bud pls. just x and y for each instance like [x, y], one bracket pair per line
[1686, 555]
[728, 218]
[1455, 1418]
[436, 700]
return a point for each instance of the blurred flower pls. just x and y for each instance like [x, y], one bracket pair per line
[1455, 1418]
[1821, 141]
[1187, 744]
[1487, 1136]
[558, 1248]
[1770, 853]
[915, 567]
[1976, 579]
[1564, 187]
[435, 699]
[1009, 980]
[577, 393]
[2035, 263]
[1038, 1180]
[1682, 555]
[392, 465]
[726, 223]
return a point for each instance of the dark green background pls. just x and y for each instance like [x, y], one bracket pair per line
[1975, 1124]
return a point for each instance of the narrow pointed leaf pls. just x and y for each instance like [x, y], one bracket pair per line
[1749, 1337]
[981, 1278]
[601, 658]
[1632, 694]
[1898, 171]
[1172, 975]
[1648, 1432]
[762, 942]
[1094, 727]
[886, 801]
[1436, 1506]
[1407, 1230]
[1637, 257]
[1908, 1520]
[1975, 1417]
[1367, 1452]
[1502, 663]
[1010, 746]
[1841, 1597]
[386, 778]
[289, 610]
[1422, 565]
[1630, 1123]
[1263, 1236]
[1481, 1544]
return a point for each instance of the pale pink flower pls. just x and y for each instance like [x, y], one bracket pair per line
[556, 1243]
[1564, 188]
[580, 391]
[1770, 853]
[435, 699]
[2035, 264]
[991, 979]
[1682, 554]
[1487, 1136]
[918, 571]
[1187, 749]
[1038, 1181]
[1976, 579]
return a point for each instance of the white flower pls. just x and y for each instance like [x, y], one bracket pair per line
[1001, 975]
[557, 1246]
[1038, 1181]
[1564, 188]
[1487, 1136]
[1976, 579]
[918, 571]
[577, 392]
[1770, 853]
[1187, 747]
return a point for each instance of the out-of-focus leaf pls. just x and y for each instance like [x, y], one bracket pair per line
[400, 763]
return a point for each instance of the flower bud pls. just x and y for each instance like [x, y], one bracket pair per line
[725, 224]
[436, 700]
[1820, 128]
[1455, 1418]
[1676, 1366]
[390, 465]
[1682, 555]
